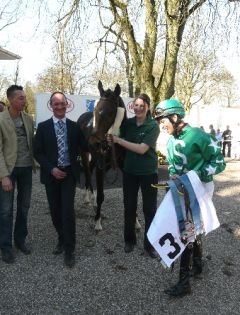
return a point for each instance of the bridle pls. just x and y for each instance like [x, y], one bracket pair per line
[103, 147]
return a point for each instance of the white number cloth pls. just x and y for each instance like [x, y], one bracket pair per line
[164, 233]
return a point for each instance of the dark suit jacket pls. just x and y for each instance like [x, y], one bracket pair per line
[45, 148]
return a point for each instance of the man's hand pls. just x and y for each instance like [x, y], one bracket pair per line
[173, 177]
[7, 184]
[58, 174]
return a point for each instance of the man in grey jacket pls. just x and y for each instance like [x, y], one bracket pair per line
[16, 163]
[2, 106]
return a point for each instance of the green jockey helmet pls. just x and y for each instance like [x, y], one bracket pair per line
[169, 107]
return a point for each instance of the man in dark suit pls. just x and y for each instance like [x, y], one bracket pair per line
[56, 146]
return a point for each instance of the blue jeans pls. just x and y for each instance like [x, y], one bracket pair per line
[22, 178]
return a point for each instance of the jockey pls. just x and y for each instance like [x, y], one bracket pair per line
[188, 149]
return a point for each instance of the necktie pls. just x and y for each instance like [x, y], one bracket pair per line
[60, 142]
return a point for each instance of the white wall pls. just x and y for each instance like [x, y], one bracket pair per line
[200, 115]
[216, 115]
[78, 105]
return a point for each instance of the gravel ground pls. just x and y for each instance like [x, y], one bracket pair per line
[105, 280]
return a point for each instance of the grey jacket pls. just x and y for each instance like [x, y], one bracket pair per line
[8, 141]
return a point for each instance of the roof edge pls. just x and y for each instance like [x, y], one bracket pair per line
[8, 55]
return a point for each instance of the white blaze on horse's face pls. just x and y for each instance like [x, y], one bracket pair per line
[94, 119]
[103, 117]
[90, 123]
[114, 130]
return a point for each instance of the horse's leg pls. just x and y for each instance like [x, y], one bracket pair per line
[87, 172]
[92, 165]
[100, 198]
[137, 224]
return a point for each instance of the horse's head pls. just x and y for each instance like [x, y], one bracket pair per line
[104, 113]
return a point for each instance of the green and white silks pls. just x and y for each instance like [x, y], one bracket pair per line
[196, 150]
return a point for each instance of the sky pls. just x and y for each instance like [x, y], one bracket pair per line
[34, 47]
[33, 41]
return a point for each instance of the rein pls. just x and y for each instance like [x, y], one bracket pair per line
[101, 163]
[101, 154]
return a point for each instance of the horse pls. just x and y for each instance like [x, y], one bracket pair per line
[94, 126]
[100, 156]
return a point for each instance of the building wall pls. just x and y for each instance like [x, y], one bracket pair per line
[200, 115]
[216, 115]
[78, 104]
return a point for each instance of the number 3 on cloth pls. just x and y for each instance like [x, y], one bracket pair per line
[170, 238]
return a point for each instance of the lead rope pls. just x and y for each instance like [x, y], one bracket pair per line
[113, 157]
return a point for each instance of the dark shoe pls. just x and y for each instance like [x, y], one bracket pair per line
[23, 248]
[197, 267]
[58, 250]
[179, 290]
[197, 264]
[183, 286]
[128, 248]
[152, 253]
[7, 256]
[69, 260]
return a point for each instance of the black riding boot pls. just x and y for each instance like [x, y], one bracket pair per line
[183, 286]
[197, 257]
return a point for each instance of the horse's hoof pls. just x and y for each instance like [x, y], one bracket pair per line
[98, 226]
[137, 225]
[88, 197]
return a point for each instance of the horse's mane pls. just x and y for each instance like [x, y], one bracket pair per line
[107, 93]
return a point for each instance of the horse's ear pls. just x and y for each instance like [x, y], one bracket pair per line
[117, 90]
[100, 88]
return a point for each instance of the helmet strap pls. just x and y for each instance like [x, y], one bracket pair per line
[176, 125]
[180, 127]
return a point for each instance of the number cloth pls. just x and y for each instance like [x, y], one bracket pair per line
[164, 232]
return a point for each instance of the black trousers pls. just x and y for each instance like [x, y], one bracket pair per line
[131, 185]
[191, 253]
[227, 144]
[60, 195]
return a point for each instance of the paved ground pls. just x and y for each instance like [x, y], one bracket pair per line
[107, 281]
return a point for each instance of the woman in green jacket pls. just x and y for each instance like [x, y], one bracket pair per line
[139, 136]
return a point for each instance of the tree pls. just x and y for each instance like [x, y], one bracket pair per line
[145, 31]
[162, 20]
[53, 79]
[223, 89]
[4, 84]
[30, 99]
[66, 72]
[64, 75]
[106, 75]
[8, 13]
[200, 76]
